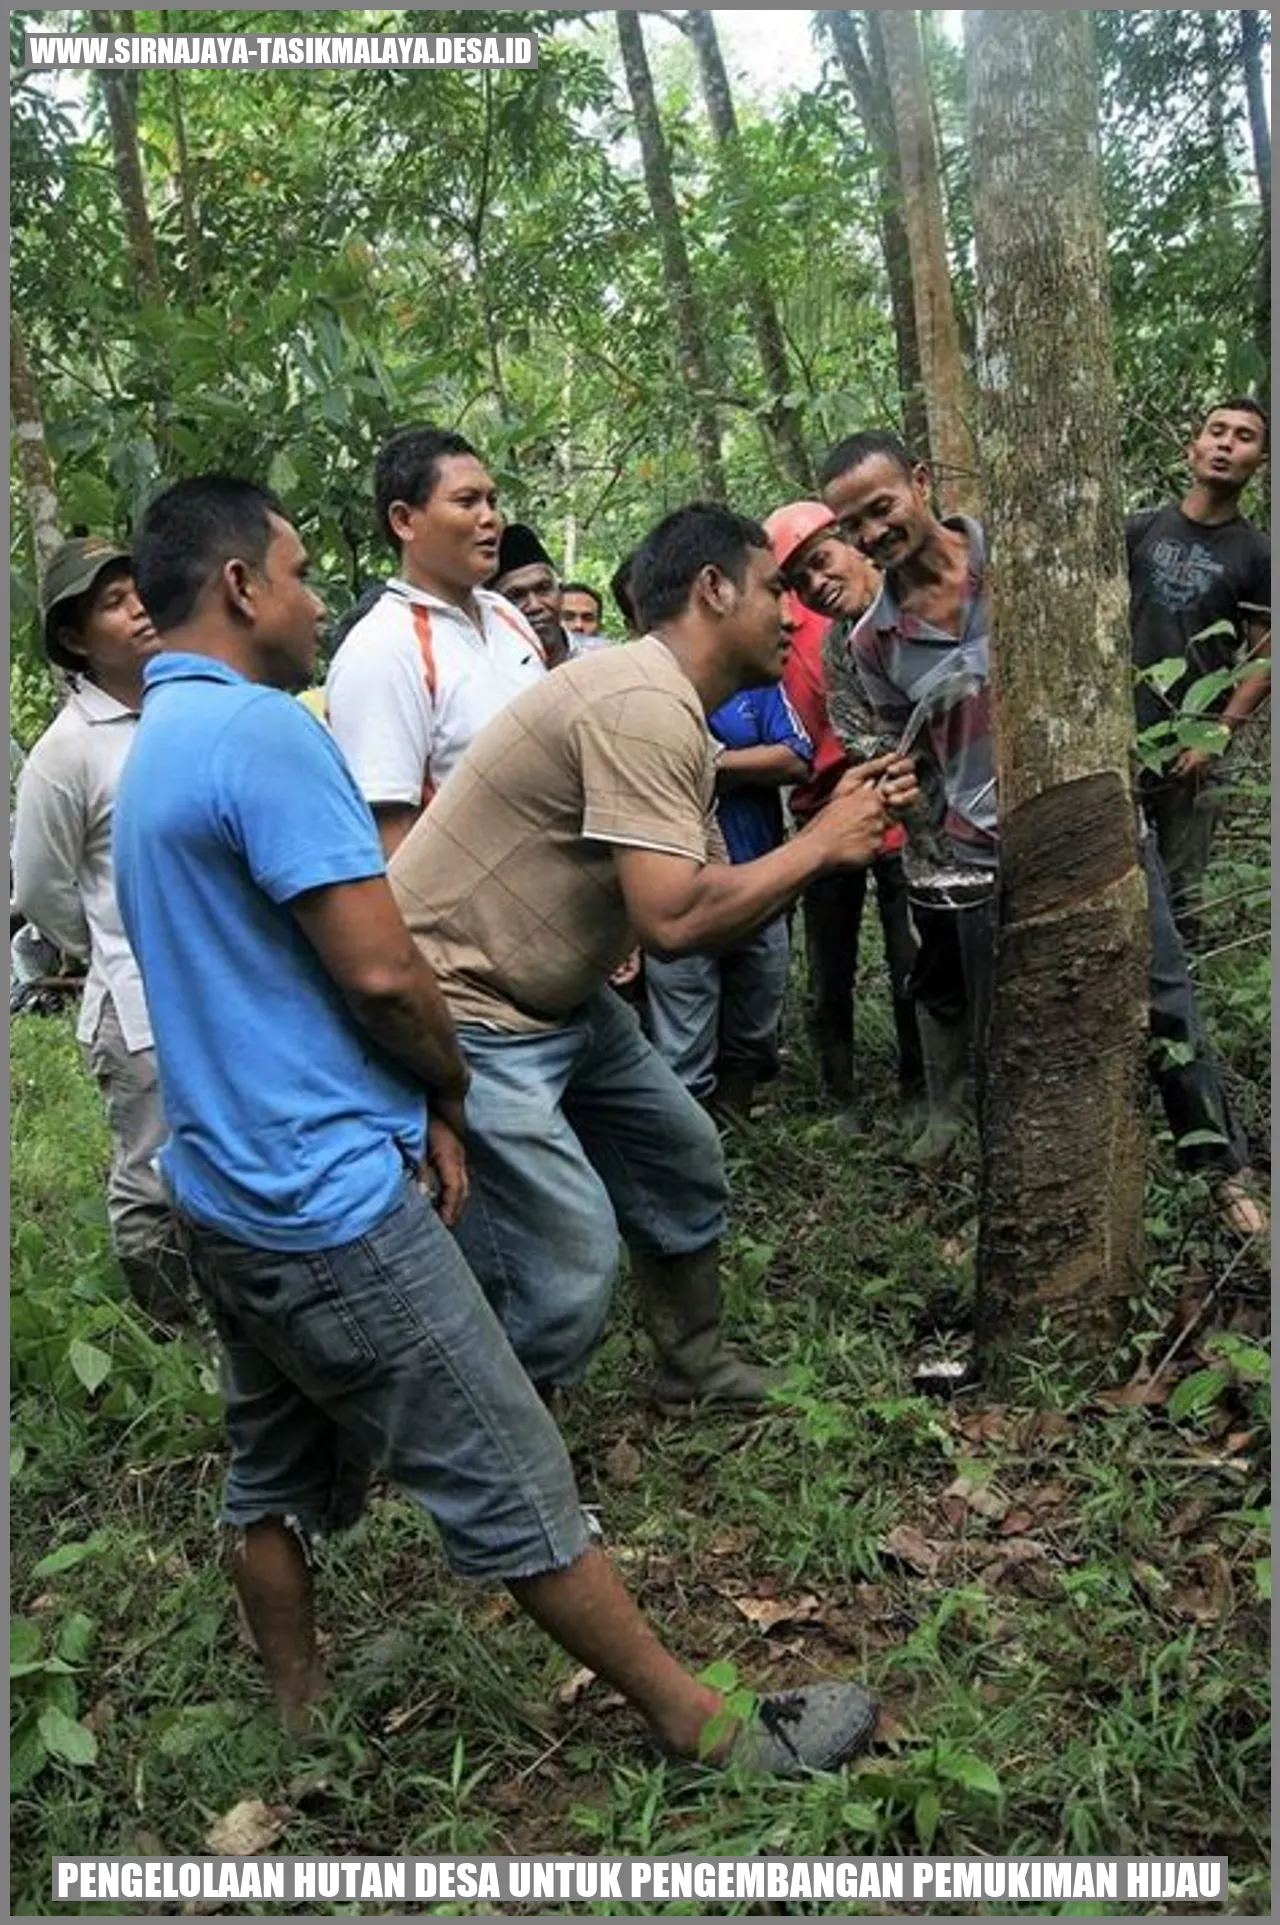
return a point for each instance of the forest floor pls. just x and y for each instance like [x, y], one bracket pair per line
[1061, 1599]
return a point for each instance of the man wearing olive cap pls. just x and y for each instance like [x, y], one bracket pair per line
[98, 633]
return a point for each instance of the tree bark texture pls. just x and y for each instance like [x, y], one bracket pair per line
[1060, 1229]
[945, 386]
[34, 465]
[866, 77]
[1260, 135]
[690, 337]
[128, 171]
[782, 420]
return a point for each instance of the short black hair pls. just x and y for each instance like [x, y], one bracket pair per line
[673, 555]
[585, 588]
[190, 532]
[408, 468]
[1240, 404]
[620, 589]
[857, 448]
[73, 614]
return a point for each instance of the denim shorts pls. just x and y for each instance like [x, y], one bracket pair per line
[382, 1354]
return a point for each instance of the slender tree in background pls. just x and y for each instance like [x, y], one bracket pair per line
[1260, 135]
[128, 170]
[866, 77]
[783, 418]
[40, 497]
[690, 337]
[1064, 1132]
[945, 385]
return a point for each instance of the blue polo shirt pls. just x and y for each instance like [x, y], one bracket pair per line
[751, 818]
[289, 1130]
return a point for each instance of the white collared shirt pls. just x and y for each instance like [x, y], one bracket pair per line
[415, 681]
[63, 880]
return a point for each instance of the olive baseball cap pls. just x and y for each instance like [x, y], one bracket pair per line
[76, 567]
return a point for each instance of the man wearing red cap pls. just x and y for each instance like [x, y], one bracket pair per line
[802, 534]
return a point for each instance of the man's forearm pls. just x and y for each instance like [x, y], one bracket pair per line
[1250, 693]
[770, 765]
[413, 1025]
[731, 900]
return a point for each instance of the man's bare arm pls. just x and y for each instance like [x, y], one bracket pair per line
[679, 907]
[1254, 689]
[772, 765]
[394, 820]
[360, 937]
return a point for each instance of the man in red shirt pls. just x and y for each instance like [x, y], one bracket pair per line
[833, 905]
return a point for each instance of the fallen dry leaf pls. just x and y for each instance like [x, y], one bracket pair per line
[1143, 1392]
[1016, 1523]
[985, 1426]
[888, 1730]
[1034, 1577]
[768, 1612]
[100, 1715]
[1190, 1516]
[1209, 1599]
[573, 1687]
[732, 1541]
[248, 1827]
[977, 1497]
[910, 1547]
[622, 1465]
[873, 1601]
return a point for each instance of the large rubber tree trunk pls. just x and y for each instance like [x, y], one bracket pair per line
[39, 495]
[783, 419]
[937, 328]
[866, 76]
[130, 185]
[1260, 135]
[1064, 1127]
[690, 337]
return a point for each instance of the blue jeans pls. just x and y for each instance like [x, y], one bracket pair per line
[382, 1353]
[577, 1133]
[720, 1013]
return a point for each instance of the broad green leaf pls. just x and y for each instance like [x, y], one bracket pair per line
[65, 1558]
[17, 1458]
[66, 1738]
[75, 1636]
[928, 1810]
[1196, 1392]
[1262, 1577]
[962, 1768]
[1162, 675]
[27, 1754]
[24, 1641]
[91, 1365]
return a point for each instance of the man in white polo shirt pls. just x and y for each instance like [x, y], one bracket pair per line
[438, 655]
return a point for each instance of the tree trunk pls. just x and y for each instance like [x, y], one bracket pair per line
[1260, 133]
[1060, 1227]
[865, 77]
[690, 339]
[184, 181]
[783, 420]
[34, 465]
[128, 171]
[950, 435]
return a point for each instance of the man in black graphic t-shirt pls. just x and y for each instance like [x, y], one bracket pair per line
[1194, 564]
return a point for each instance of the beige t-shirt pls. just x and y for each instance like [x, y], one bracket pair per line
[508, 880]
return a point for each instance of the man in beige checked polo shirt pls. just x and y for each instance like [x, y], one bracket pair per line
[578, 824]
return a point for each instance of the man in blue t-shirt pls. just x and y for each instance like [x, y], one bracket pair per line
[715, 1019]
[312, 1081]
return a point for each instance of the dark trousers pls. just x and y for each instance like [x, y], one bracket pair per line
[954, 979]
[832, 909]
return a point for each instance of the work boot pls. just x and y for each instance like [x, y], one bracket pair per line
[946, 1053]
[680, 1308]
[835, 1065]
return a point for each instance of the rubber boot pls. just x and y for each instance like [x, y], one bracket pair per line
[160, 1284]
[945, 1047]
[680, 1307]
[733, 1095]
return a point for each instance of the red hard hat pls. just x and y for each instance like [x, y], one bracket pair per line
[791, 527]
